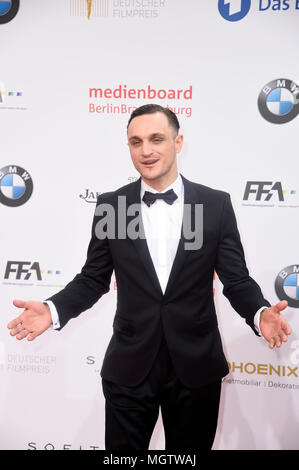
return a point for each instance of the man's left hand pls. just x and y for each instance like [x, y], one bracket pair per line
[273, 325]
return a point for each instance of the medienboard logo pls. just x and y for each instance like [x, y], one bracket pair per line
[8, 10]
[278, 101]
[124, 99]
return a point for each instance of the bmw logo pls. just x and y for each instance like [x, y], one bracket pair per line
[8, 10]
[287, 285]
[15, 186]
[278, 102]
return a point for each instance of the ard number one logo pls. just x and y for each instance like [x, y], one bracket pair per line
[234, 10]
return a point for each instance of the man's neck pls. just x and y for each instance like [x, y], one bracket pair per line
[161, 185]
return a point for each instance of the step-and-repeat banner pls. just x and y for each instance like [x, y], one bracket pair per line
[71, 73]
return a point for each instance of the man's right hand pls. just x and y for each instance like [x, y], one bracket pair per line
[33, 321]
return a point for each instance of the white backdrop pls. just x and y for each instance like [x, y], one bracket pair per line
[73, 145]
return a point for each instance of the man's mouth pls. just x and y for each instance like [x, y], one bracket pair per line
[150, 163]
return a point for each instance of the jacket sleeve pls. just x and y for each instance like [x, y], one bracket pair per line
[243, 293]
[90, 284]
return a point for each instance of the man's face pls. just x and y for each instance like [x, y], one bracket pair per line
[153, 146]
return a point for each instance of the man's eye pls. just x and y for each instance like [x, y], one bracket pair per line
[135, 143]
[157, 141]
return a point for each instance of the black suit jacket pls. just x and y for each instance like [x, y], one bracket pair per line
[185, 314]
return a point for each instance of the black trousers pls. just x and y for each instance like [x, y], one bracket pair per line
[189, 415]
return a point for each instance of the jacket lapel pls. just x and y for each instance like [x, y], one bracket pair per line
[182, 253]
[140, 244]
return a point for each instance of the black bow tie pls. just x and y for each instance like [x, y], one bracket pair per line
[169, 197]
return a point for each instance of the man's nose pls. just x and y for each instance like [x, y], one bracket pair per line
[147, 149]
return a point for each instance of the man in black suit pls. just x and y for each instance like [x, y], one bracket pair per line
[166, 348]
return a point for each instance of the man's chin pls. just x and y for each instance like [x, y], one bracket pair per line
[150, 174]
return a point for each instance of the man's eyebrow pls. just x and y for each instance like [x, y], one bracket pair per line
[157, 134]
[152, 136]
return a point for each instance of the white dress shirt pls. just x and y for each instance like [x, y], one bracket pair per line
[162, 227]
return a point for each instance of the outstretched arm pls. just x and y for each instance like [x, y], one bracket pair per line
[79, 295]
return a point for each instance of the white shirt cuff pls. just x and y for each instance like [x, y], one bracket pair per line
[257, 318]
[54, 315]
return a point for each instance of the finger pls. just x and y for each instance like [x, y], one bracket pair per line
[280, 306]
[19, 303]
[277, 341]
[284, 338]
[32, 336]
[13, 323]
[22, 334]
[286, 328]
[17, 329]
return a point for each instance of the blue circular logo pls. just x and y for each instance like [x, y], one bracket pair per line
[12, 186]
[4, 7]
[15, 186]
[278, 101]
[234, 10]
[287, 285]
[8, 10]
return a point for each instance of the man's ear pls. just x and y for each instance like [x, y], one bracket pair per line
[179, 143]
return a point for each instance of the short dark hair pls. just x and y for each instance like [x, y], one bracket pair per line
[156, 108]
